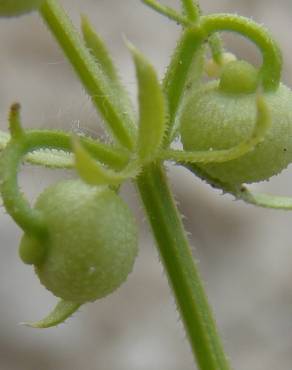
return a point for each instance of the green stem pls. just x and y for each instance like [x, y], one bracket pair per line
[216, 46]
[29, 219]
[116, 158]
[104, 97]
[271, 54]
[181, 269]
[17, 206]
[178, 72]
[191, 9]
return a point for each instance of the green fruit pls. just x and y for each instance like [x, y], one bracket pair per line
[221, 114]
[11, 8]
[238, 77]
[92, 241]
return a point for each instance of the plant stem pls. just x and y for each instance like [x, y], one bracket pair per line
[216, 46]
[272, 58]
[177, 73]
[191, 9]
[181, 269]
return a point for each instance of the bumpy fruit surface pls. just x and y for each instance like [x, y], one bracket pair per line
[219, 116]
[92, 241]
[11, 8]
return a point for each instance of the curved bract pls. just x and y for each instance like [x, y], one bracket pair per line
[12, 8]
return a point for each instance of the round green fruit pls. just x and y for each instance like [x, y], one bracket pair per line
[11, 8]
[221, 114]
[91, 245]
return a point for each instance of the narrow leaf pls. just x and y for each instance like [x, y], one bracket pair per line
[51, 158]
[263, 200]
[54, 149]
[167, 11]
[97, 85]
[15, 126]
[95, 173]
[99, 51]
[98, 48]
[60, 313]
[241, 192]
[152, 120]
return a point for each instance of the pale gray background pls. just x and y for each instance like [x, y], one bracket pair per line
[245, 253]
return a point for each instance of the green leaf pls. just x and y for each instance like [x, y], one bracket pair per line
[14, 8]
[99, 51]
[152, 120]
[15, 126]
[167, 11]
[263, 200]
[60, 313]
[54, 149]
[241, 192]
[51, 158]
[95, 173]
[106, 99]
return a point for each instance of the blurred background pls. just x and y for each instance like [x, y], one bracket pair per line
[244, 253]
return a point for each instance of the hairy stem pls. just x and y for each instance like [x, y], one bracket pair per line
[272, 58]
[16, 204]
[181, 269]
[191, 9]
[30, 220]
[178, 73]
[216, 46]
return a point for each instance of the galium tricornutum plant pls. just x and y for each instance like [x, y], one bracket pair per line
[80, 236]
